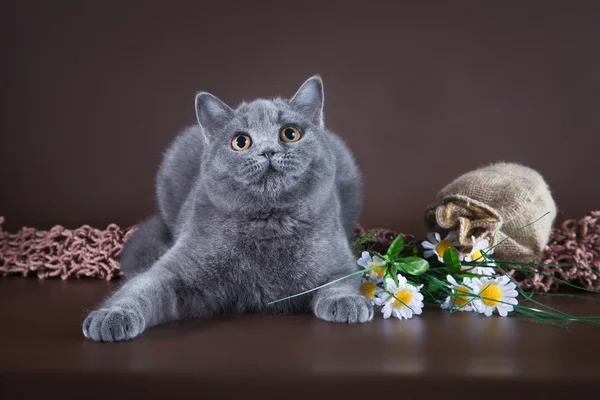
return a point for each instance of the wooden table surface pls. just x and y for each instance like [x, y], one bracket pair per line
[462, 355]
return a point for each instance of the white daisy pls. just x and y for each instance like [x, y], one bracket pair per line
[496, 294]
[435, 245]
[476, 255]
[406, 299]
[482, 271]
[366, 261]
[369, 289]
[460, 299]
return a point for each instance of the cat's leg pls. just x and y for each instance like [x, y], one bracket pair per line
[148, 243]
[156, 296]
[342, 302]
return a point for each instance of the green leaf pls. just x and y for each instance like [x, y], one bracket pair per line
[451, 261]
[395, 249]
[412, 265]
[432, 287]
[393, 271]
[386, 275]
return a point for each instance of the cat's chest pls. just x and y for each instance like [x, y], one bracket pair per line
[272, 269]
[275, 258]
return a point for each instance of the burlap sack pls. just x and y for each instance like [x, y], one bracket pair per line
[495, 201]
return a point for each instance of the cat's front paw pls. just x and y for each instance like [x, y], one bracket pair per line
[113, 325]
[344, 308]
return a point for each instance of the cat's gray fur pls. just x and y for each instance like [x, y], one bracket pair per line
[238, 229]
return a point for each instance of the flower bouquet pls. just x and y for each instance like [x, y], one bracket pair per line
[403, 279]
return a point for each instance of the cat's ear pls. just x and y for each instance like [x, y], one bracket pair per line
[212, 114]
[309, 100]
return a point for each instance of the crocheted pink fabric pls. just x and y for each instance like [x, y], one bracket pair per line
[94, 253]
[61, 252]
[577, 242]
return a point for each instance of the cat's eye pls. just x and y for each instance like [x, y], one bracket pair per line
[241, 142]
[290, 134]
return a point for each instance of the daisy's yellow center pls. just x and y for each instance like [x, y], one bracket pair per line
[477, 256]
[461, 296]
[367, 289]
[378, 271]
[491, 295]
[442, 247]
[405, 296]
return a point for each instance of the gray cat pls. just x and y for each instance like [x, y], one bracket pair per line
[256, 204]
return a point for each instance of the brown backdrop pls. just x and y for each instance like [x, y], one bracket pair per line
[93, 91]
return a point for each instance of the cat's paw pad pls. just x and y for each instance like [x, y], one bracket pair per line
[345, 309]
[113, 325]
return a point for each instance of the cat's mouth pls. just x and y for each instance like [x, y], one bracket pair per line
[272, 172]
[271, 176]
[272, 168]
[272, 179]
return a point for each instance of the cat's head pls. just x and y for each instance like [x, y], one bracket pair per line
[268, 151]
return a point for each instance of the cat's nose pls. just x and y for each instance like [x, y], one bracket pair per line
[268, 153]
